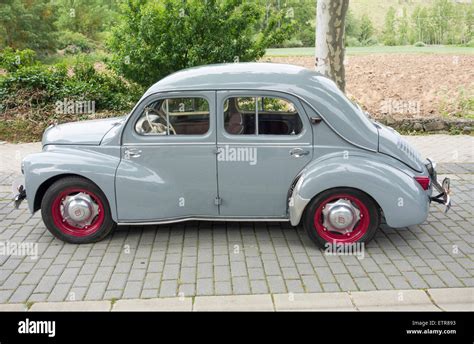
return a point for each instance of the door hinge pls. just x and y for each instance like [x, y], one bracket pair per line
[218, 201]
[217, 150]
[316, 120]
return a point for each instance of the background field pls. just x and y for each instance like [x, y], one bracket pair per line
[405, 49]
[441, 84]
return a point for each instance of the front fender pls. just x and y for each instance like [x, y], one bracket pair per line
[96, 163]
[400, 197]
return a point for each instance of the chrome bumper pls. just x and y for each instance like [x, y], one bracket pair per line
[19, 192]
[443, 189]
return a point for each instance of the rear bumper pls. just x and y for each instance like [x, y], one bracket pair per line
[443, 189]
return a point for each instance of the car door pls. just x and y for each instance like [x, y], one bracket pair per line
[264, 140]
[168, 172]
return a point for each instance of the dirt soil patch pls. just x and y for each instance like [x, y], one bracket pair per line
[407, 85]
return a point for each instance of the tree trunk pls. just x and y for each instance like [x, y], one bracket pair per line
[330, 19]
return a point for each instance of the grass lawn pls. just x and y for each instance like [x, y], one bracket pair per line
[404, 49]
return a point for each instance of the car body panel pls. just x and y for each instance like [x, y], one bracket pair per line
[391, 143]
[255, 188]
[91, 131]
[96, 163]
[399, 196]
[174, 176]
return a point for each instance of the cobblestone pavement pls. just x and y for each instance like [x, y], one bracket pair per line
[215, 258]
[207, 258]
[438, 299]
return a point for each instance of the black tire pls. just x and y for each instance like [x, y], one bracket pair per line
[53, 192]
[372, 208]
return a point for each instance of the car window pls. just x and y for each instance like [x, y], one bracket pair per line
[174, 116]
[261, 116]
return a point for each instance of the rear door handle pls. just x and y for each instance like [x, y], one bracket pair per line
[132, 153]
[298, 152]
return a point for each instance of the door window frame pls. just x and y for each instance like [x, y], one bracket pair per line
[131, 137]
[224, 136]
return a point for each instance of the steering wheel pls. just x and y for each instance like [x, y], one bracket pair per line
[154, 122]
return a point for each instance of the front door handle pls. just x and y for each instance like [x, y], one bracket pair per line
[132, 153]
[298, 152]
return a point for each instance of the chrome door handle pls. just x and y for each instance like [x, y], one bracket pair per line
[132, 153]
[298, 152]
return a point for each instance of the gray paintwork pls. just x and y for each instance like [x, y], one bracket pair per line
[75, 133]
[346, 149]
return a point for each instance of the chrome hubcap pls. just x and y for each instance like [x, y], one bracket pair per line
[340, 216]
[79, 210]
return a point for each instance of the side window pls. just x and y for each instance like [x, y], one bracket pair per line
[174, 116]
[261, 116]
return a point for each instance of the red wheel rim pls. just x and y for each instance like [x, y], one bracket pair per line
[360, 228]
[68, 228]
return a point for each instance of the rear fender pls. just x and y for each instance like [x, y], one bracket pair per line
[399, 196]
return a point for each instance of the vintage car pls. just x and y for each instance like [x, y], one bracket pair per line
[232, 142]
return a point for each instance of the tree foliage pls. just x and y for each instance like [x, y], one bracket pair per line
[27, 24]
[155, 39]
[443, 22]
[86, 17]
[366, 28]
[389, 31]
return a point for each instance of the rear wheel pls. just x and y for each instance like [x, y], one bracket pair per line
[75, 210]
[341, 216]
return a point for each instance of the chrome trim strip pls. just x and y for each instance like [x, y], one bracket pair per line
[297, 204]
[263, 144]
[203, 218]
[270, 144]
[171, 144]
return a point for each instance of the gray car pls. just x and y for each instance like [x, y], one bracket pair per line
[232, 142]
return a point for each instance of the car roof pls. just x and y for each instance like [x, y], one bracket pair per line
[226, 76]
[318, 91]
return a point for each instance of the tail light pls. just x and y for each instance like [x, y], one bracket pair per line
[424, 182]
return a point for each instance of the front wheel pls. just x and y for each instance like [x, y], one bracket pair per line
[75, 210]
[341, 216]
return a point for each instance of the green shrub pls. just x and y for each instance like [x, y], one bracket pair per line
[352, 42]
[470, 44]
[157, 38]
[52, 83]
[307, 35]
[109, 91]
[48, 80]
[74, 42]
[11, 59]
[370, 41]
[419, 44]
[291, 43]
[29, 94]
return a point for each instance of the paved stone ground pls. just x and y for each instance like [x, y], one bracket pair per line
[439, 299]
[207, 258]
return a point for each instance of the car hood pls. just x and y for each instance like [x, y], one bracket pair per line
[88, 132]
[393, 144]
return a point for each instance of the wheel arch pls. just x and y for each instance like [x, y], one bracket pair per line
[50, 181]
